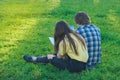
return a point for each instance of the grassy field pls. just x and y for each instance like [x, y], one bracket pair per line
[25, 26]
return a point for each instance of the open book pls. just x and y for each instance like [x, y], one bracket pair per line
[52, 39]
[71, 27]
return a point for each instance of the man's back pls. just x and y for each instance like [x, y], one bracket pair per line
[92, 36]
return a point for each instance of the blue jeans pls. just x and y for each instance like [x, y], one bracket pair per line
[70, 64]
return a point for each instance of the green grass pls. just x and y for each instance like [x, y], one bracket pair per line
[25, 26]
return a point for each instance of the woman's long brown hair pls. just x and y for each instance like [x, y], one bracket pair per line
[61, 30]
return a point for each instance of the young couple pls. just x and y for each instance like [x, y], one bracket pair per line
[74, 50]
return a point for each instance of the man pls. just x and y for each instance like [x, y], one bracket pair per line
[92, 36]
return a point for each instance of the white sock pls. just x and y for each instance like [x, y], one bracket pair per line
[34, 58]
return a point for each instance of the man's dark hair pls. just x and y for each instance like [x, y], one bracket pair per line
[82, 18]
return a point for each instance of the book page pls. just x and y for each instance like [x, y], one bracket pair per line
[51, 40]
[71, 27]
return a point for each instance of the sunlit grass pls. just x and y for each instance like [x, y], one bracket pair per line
[28, 8]
[15, 24]
[114, 20]
[96, 1]
[14, 32]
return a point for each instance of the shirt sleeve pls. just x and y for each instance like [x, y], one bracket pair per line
[61, 50]
[81, 32]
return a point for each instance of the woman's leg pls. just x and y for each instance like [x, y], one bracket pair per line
[69, 64]
[37, 59]
[40, 59]
[59, 63]
[29, 58]
[76, 66]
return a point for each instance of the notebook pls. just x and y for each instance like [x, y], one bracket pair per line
[51, 40]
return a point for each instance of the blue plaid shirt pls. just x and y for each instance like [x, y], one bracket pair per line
[92, 36]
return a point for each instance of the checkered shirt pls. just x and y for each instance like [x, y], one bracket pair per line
[92, 36]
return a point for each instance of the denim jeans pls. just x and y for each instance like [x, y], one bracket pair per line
[69, 64]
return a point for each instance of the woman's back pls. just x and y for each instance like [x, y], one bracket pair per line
[81, 50]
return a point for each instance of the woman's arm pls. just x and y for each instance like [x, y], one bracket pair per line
[50, 56]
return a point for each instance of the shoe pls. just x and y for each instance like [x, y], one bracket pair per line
[30, 58]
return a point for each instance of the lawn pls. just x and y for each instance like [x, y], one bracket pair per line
[25, 26]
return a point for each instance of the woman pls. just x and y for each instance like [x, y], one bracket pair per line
[70, 49]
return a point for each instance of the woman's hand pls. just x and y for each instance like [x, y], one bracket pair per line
[50, 56]
[58, 55]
